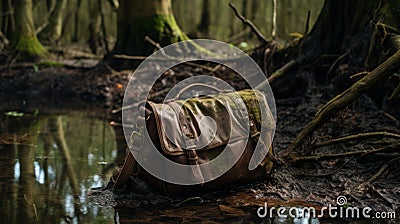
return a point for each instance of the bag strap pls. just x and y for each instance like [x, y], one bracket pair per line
[190, 149]
[120, 178]
[135, 145]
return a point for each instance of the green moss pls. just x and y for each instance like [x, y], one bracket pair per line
[254, 101]
[162, 29]
[29, 47]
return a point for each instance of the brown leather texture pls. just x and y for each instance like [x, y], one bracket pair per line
[197, 130]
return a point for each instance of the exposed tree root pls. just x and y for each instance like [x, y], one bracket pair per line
[379, 74]
[360, 136]
[344, 154]
[381, 170]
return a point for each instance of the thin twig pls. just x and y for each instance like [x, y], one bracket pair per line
[391, 117]
[381, 170]
[328, 74]
[359, 136]
[282, 70]
[363, 73]
[345, 154]
[155, 44]
[128, 57]
[249, 23]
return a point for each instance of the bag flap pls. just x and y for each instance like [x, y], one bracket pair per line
[204, 123]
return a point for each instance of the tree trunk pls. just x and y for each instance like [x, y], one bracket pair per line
[8, 23]
[95, 37]
[137, 19]
[204, 25]
[24, 40]
[53, 30]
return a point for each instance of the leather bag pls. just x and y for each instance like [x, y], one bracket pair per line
[180, 133]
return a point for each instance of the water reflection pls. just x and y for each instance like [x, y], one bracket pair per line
[48, 165]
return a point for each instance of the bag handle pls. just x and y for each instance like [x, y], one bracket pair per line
[193, 85]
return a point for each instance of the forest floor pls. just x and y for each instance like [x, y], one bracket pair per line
[302, 183]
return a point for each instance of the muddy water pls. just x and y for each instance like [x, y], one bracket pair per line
[49, 164]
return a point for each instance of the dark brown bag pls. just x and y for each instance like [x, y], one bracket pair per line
[177, 131]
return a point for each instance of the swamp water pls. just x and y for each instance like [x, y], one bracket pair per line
[49, 164]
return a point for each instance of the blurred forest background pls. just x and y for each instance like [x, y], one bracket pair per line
[91, 25]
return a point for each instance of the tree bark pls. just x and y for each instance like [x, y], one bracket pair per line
[24, 40]
[95, 38]
[138, 19]
[8, 23]
[204, 25]
[53, 30]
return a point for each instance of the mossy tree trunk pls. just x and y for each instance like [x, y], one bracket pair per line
[53, 30]
[138, 19]
[24, 40]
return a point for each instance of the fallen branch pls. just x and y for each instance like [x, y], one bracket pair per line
[379, 74]
[278, 73]
[360, 136]
[247, 22]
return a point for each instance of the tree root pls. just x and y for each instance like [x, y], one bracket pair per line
[381, 170]
[379, 74]
[345, 154]
[359, 136]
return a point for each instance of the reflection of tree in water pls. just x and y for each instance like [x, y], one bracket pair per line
[53, 171]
